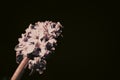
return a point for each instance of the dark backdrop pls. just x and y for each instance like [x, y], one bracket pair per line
[87, 50]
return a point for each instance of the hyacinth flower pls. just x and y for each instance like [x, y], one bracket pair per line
[38, 41]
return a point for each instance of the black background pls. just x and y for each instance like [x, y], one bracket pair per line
[88, 50]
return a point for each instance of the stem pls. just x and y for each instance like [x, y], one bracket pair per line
[18, 73]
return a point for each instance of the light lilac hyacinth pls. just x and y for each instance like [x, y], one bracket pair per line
[38, 41]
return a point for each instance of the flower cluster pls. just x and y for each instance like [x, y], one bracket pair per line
[38, 41]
